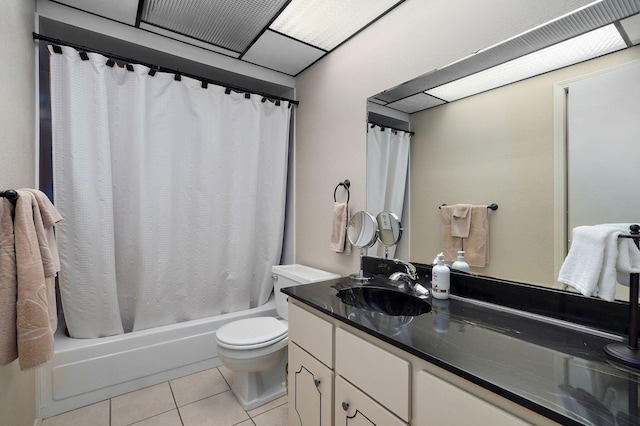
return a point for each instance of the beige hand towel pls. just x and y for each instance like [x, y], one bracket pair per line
[45, 217]
[476, 246]
[8, 285]
[450, 244]
[34, 323]
[46, 236]
[339, 241]
[461, 220]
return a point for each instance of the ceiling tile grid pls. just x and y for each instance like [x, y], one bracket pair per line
[415, 103]
[275, 51]
[283, 35]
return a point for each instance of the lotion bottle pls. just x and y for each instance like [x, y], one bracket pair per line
[460, 264]
[440, 279]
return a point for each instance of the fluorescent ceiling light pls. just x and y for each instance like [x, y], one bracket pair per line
[581, 48]
[327, 23]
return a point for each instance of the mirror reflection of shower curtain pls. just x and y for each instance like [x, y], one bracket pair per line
[172, 195]
[387, 167]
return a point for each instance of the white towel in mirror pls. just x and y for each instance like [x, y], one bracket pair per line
[595, 258]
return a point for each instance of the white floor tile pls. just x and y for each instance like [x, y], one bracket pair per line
[94, 415]
[198, 386]
[218, 410]
[142, 404]
[200, 399]
[170, 418]
[268, 406]
[275, 417]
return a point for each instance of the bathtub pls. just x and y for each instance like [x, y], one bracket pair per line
[86, 371]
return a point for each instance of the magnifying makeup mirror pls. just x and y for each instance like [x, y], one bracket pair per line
[389, 230]
[362, 233]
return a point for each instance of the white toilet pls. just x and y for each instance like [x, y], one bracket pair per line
[255, 349]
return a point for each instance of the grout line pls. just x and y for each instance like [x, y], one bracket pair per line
[175, 402]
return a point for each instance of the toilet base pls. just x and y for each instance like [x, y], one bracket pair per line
[255, 389]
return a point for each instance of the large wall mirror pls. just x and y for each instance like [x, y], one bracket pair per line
[505, 145]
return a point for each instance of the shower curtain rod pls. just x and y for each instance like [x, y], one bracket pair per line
[109, 55]
[389, 127]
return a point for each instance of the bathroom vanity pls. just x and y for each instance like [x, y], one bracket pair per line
[464, 362]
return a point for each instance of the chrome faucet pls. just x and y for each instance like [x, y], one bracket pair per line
[409, 276]
[410, 269]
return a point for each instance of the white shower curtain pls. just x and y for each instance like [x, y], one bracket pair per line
[387, 167]
[172, 194]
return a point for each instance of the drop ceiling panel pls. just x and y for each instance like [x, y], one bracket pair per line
[188, 40]
[280, 53]
[119, 10]
[416, 103]
[570, 26]
[231, 24]
[327, 23]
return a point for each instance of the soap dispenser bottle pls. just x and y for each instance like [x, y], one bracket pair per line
[440, 279]
[460, 264]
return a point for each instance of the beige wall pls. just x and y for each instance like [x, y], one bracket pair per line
[495, 147]
[414, 38]
[17, 92]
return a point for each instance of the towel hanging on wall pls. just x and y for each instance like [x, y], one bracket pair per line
[461, 220]
[476, 245]
[339, 241]
[28, 265]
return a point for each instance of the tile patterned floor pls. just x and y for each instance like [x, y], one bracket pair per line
[201, 399]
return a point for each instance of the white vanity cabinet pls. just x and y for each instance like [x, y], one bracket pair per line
[371, 382]
[310, 378]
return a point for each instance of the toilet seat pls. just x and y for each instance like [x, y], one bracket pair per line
[251, 333]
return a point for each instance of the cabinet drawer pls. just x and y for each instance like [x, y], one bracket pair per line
[311, 333]
[441, 403]
[355, 408]
[310, 389]
[382, 375]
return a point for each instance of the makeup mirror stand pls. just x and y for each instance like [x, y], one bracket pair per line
[362, 232]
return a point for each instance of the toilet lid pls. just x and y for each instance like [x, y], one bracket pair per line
[250, 333]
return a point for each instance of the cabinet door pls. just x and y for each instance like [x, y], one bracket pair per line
[381, 374]
[445, 404]
[310, 389]
[354, 408]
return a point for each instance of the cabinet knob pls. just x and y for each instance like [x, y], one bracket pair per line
[345, 406]
[316, 382]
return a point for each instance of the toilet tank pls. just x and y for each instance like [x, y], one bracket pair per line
[292, 275]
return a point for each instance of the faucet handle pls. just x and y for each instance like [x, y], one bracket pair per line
[411, 270]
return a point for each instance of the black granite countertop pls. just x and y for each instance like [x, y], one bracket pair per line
[555, 368]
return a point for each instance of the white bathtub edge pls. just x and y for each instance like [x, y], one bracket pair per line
[86, 371]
